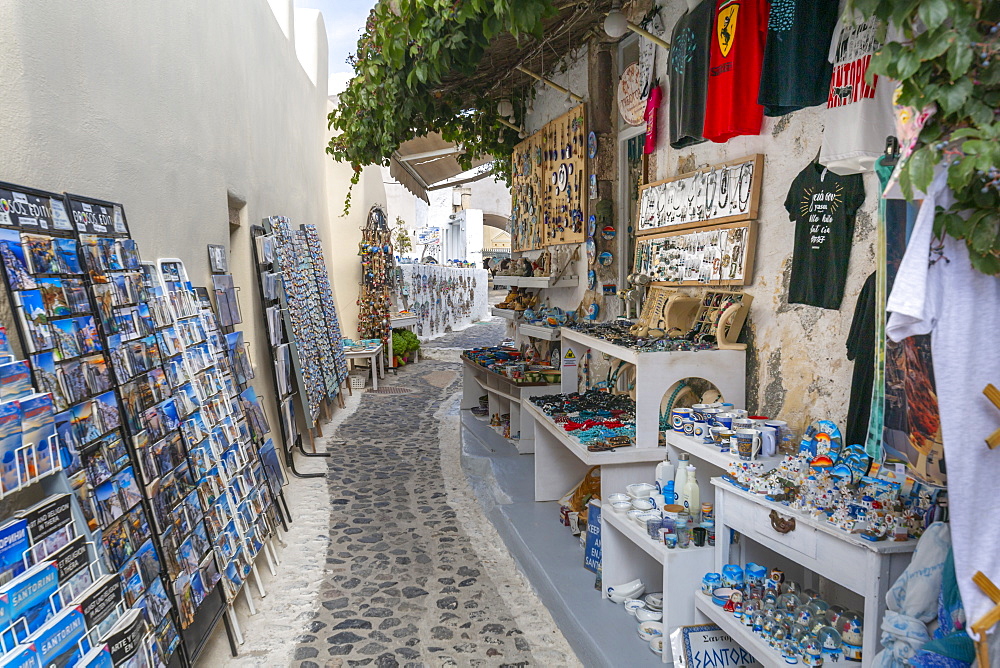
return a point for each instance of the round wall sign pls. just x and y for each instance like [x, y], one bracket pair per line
[631, 104]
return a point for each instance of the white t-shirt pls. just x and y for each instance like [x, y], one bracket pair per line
[938, 292]
[858, 116]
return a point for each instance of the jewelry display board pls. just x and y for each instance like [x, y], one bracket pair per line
[377, 271]
[717, 255]
[549, 191]
[722, 193]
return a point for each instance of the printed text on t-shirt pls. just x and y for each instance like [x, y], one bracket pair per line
[854, 50]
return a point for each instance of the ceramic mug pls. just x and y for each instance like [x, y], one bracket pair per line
[747, 443]
[758, 420]
[700, 430]
[688, 426]
[724, 439]
[698, 411]
[742, 423]
[780, 426]
[739, 412]
[712, 415]
[768, 441]
[677, 416]
[725, 419]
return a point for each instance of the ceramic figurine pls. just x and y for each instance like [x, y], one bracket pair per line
[735, 604]
[774, 579]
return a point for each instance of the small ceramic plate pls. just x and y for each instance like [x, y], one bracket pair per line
[609, 232]
[592, 279]
[591, 225]
[591, 251]
[606, 258]
[654, 601]
[592, 145]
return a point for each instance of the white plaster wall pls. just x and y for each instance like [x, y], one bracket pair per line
[342, 233]
[166, 108]
[490, 195]
[798, 367]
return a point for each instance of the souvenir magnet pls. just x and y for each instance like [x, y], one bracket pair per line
[592, 145]
[608, 232]
[606, 258]
[591, 251]
[591, 225]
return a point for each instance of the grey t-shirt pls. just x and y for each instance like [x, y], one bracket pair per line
[689, 74]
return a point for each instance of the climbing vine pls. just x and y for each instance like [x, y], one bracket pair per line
[947, 60]
[399, 91]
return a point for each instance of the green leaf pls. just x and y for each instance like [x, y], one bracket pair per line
[906, 64]
[951, 98]
[959, 59]
[921, 168]
[933, 12]
[901, 11]
[982, 231]
[987, 264]
[933, 43]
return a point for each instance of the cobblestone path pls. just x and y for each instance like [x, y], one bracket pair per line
[404, 585]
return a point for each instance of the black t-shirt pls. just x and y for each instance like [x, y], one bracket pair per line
[689, 74]
[823, 206]
[796, 72]
[861, 350]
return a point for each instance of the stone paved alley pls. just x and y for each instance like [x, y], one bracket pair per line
[414, 575]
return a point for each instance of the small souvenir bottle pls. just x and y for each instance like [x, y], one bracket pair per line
[683, 531]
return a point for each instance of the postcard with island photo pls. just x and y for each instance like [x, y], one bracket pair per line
[15, 380]
[67, 256]
[89, 339]
[12, 251]
[39, 253]
[76, 295]
[67, 341]
[47, 379]
[36, 322]
[54, 297]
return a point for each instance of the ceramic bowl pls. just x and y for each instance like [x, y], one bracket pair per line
[621, 506]
[646, 515]
[647, 615]
[618, 496]
[643, 503]
[633, 514]
[633, 604]
[721, 595]
[650, 630]
[639, 490]
[656, 644]
[654, 601]
[618, 593]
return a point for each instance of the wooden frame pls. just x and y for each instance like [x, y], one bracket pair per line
[543, 212]
[692, 212]
[710, 249]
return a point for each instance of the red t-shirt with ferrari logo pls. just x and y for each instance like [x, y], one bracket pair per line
[736, 54]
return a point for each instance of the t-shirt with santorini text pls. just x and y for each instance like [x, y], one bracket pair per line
[822, 205]
[858, 115]
[796, 67]
[736, 54]
[688, 69]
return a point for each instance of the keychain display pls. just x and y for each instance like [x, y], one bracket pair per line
[443, 298]
[377, 275]
[720, 255]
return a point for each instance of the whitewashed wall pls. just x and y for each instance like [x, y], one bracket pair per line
[797, 362]
[170, 108]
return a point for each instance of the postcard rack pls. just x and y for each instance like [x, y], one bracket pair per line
[289, 383]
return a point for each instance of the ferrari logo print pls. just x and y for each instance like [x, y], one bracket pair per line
[725, 29]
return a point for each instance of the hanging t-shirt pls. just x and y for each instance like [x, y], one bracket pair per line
[861, 351]
[937, 291]
[858, 116]
[736, 54]
[797, 70]
[688, 68]
[822, 205]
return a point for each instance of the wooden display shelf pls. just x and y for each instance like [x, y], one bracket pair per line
[538, 332]
[537, 281]
[743, 636]
[653, 548]
[506, 313]
[626, 455]
[657, 372]
[710, 454]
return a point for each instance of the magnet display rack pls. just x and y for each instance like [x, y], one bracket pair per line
[49, 254]
[323, 323]
[147, 370]
[550, 184]
[283, 347]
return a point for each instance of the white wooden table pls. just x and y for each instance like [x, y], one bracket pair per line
[374, 357]
[865, 568]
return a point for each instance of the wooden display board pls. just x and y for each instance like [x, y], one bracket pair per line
[723, 193]
[716, 255]
[549, 192]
